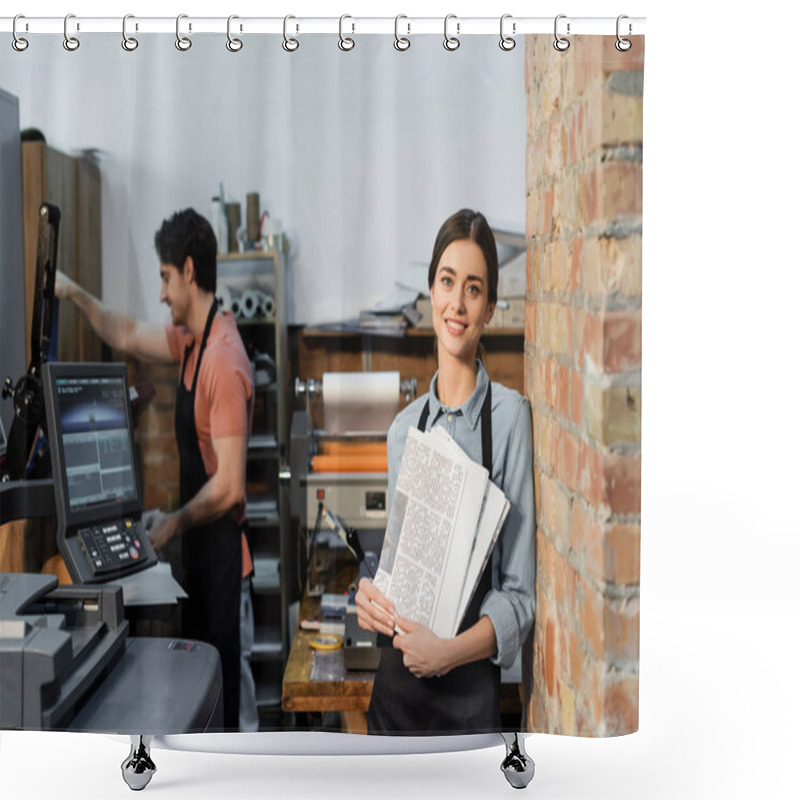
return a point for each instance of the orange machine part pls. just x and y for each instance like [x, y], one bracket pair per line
[352, 448]
[350, 464]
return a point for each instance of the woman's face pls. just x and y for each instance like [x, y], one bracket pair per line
[460, 300]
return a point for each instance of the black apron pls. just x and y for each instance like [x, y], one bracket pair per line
[467, 699]
[212, 554]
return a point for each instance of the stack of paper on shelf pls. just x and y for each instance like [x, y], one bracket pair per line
[445, 518]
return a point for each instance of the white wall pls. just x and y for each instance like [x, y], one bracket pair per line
[362, 155]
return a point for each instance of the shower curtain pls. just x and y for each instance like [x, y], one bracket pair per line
[342, 163]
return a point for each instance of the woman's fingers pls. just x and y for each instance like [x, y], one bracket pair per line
[372, 609]
[376, 595]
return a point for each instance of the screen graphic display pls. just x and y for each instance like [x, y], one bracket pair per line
[96, 443]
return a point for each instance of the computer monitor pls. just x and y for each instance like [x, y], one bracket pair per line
[95, 472]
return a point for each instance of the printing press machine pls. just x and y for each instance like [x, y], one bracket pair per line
[339, 479]
[67, 663]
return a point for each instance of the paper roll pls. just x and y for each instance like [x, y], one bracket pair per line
[255, 304]
[224, 298]
[253, 213]
[236, 307]
[251, 302]
[268, 306]
[360, 402]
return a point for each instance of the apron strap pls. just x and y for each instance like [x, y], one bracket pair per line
[209, 321]
[423, 417]
[486, 430]
[486, 427]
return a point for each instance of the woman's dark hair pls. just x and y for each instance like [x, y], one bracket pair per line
[184, 234]
[472, 225]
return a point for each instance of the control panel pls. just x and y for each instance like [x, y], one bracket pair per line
[111, 546]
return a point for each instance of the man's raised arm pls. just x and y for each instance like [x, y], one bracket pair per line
[119, 331]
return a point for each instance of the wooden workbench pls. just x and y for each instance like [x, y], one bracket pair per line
[299, 692]
[347, 694]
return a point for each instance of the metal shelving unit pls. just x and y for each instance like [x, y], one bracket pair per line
[267, 510]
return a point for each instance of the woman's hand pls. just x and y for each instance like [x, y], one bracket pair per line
[375, 612]
[424, 653]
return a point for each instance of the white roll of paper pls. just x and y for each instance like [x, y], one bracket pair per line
[268, 305]
[224, 298]
[250, 303]
[236, 306]
[360, 402]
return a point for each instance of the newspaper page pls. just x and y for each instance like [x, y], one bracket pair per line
[493, 515]
[431, 530]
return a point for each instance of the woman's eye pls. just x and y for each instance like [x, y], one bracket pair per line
[447, 281]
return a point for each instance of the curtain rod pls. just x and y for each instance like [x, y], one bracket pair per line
[347, 25]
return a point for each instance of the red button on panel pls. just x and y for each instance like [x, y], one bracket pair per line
[134, 552]
[320, 494]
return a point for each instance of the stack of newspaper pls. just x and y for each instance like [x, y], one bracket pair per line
[445, 518]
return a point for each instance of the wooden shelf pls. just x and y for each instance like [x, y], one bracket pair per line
[247, 254]
[423, 332]
[412, 333]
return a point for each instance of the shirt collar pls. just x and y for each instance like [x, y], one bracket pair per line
[471, 408]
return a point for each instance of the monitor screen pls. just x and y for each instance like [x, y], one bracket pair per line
[96, 443]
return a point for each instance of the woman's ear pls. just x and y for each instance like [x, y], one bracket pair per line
[489, 313]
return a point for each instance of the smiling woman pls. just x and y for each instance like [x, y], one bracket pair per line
[426, 683]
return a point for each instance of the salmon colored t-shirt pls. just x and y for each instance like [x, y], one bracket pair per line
[223, 403]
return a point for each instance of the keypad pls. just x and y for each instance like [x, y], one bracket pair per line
[111, 545]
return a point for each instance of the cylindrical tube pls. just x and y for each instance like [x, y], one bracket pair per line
[233, 213]
[360, 401]
[224, 298]
[251, 301]
[268, 306]
[253, 214]
[236, 307]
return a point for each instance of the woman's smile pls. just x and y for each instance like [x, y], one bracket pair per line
[455, 327]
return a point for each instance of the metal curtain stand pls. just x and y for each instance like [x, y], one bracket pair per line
[138, 768]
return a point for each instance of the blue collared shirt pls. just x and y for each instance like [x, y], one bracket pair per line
[510, 602]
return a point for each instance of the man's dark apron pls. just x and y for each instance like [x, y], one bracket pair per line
[212, 554]
[467, 699]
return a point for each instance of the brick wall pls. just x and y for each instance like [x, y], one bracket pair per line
[583, 376]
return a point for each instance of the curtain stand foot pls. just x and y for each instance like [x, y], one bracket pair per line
[138, 768]
[518, 766]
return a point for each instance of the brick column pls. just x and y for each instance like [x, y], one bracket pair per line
[583, 377]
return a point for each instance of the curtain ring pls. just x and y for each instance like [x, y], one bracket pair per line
[623, 45]
[451, 42]
[70, 42]
[289, 44]
[128, 42]
[183, 43]
[560, 43]
[507, 42]
[233, 44]
[400, 42]
[345, 42]
[18, 43]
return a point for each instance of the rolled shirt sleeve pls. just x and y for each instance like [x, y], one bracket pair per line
[510, 603]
